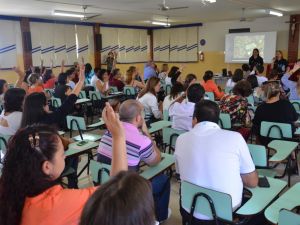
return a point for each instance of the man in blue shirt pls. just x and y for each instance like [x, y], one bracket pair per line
[149, 70]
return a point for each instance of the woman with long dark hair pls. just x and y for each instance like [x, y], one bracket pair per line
[30, 193]
[148, 98]
[255, 59]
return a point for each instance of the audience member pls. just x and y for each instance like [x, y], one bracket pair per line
[210, 86]
[163, 73]
[208, 163]
[100, 81]
[148, 98]
[174, 75]
[236, 77]
[246, 70]
[236, 105]
[256, 90]
[273, 110]
[189, 80]
[34, 195]
[49, 79]
[290, 79]
[89, 73]
[11, 116]
[130, 79]
[36, 84]
[260, 77]
[62, 90]
[116, 200]
[116, 80]
[140, 147]
[3, 89]
[149, 70]
[176, 90]
[181, 110]
[71, 76]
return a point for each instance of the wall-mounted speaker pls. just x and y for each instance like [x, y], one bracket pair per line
[240, 30]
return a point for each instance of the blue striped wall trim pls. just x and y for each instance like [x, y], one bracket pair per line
[82, 49]
[164, 48]
[106, 48]
[144, 48]
[137, 48]
[70, 49]
[61, 48]
[48, 49]
[36, 49]
[129, 49]
[123, 48]
[8, 50]
[181, 48]
[156, 48]
[173, 48]
[7, 47]
[192, 47]
[115, 48]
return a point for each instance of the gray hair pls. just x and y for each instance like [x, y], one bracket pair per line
[129, 110]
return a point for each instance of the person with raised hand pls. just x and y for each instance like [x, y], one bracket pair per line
[34, 195]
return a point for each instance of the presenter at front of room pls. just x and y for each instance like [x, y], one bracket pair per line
[279, 63]
[255, 59]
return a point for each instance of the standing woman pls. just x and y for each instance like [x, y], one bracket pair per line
[279, 63]
[255, 59]
[148, 98]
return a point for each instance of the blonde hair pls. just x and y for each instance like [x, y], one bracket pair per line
[129, 75]
[271, 89]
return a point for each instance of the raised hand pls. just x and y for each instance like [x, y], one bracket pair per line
[112, 121]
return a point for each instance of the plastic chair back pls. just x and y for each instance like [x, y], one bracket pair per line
[225, 121]
[76, 123]
[113, 89]
[94, 95]
[204, 200]
[296, 104]
[210, 96]
[82, 94]
[56, 102]
[259, 155]
[276, 130]
[167, 89]
[128, 90]
[250, 100]
[100, 172]
[288, 218]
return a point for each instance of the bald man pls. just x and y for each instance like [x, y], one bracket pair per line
[140, 147]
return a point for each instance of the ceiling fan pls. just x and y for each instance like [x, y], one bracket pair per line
[86, 15]
[165, 7]
[243, 17]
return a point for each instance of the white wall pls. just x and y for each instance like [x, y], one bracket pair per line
[214, 32]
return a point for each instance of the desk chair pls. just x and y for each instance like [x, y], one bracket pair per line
[225, 121]
[100, 172]
[288, 217]
[213, 204]
[210, 96]
[260, 160]
[170, 136]
[250, 100]
[82, 94]
[75, 123]
[166, 116]
[296, 104]
[95, 97]
[228, 90]
[3, 145]
[49, 92]
[129, 92]
[167, 89]
[55, 102]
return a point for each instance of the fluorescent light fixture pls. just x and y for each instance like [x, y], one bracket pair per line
[274, 13]
[161, 23]
[68, 14]
[211, 1]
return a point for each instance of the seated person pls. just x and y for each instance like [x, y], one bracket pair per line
[100, 81]
[115, 201]
[3, 89]
[236, 77]
[148, 98]
[273, 110]
[36, 84]
[189, 80]
[210, 86]
[210, 157]
[174, 75]
[257, 91]
[236, 105]
[246, 70]
[35, 195]
[149, 70]
[11, 116]
[71, 76]
[260, 77]
[181, 111]
[140, 147]
[176, 91]
[116, 80]
[49, 79]
[163, 73]
[290, 79]
[133, 79]
[62, 90]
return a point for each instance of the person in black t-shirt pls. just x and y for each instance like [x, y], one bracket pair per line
[273, 110]
[279, 63]
[255, 59]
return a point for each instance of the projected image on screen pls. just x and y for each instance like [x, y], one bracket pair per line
[244, 45]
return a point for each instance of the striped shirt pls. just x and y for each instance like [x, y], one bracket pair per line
[139, 147]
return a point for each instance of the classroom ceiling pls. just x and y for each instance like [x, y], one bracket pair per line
[142, 12]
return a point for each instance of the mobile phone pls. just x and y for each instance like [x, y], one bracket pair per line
[81, 143]
[263, 182]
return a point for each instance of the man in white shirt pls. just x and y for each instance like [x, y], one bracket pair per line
[213, 158]
[260, 78]
[181, 111]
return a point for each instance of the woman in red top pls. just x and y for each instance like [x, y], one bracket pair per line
[36, 83]
[49, 79]
[30, 193]
[210, 86]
